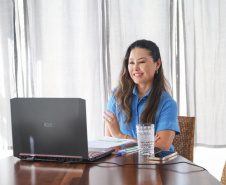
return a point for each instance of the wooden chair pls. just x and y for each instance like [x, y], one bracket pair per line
[184, 142]
[223, 177]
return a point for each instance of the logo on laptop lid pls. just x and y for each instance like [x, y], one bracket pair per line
[47, 124]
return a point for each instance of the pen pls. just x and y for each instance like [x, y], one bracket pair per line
[127, 150]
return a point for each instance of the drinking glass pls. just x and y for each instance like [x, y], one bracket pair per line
[145, 139]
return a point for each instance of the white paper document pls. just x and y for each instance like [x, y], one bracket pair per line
[108, 142]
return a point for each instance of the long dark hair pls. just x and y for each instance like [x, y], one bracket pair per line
[124, 92]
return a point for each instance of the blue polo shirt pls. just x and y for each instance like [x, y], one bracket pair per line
[165, 119]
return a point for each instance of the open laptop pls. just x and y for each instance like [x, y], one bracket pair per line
[51, 129]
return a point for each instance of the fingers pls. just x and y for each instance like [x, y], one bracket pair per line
[112, 123]
[109, 116]
[110, 113]
[108, 120]
[157, 137]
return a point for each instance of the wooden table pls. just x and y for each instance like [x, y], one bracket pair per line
[13, 171]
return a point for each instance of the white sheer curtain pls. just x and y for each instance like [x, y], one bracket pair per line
[59, 54]
[202, 36]
[6, 80]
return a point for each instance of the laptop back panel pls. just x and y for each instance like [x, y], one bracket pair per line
[49, 127]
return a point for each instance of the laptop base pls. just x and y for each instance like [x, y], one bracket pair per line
[48, 158]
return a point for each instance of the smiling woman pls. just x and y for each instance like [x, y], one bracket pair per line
[142, 97]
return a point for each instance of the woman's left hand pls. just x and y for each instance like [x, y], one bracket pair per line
[113, 124]
[157, 137]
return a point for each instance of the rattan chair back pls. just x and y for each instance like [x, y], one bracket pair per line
[184, 142]
[223, 177]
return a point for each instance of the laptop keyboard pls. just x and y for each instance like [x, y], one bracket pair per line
[94, 154]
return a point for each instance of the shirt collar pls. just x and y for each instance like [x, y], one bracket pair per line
[136, 93]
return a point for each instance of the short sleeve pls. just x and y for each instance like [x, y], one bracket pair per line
[111, 106]
[168, 117]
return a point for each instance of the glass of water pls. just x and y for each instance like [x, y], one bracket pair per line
[145, 139]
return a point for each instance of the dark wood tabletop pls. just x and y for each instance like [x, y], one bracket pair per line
[134, 169]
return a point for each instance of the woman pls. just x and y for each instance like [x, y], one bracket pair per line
[142, 97]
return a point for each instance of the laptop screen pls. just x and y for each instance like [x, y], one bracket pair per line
[49, 126]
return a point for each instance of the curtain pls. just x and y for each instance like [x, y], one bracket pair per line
[59, 54]
[7, 88]
[76, 48]
[202, 28]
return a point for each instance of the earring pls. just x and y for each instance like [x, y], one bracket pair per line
[156, 72]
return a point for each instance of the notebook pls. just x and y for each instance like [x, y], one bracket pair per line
[51, 129]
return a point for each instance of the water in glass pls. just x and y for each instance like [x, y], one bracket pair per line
[145, 137]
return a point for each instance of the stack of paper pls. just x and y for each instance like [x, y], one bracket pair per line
[108, 142]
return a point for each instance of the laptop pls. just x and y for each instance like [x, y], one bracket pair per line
[51, 129]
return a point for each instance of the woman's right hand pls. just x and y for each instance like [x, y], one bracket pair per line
[113, 124]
